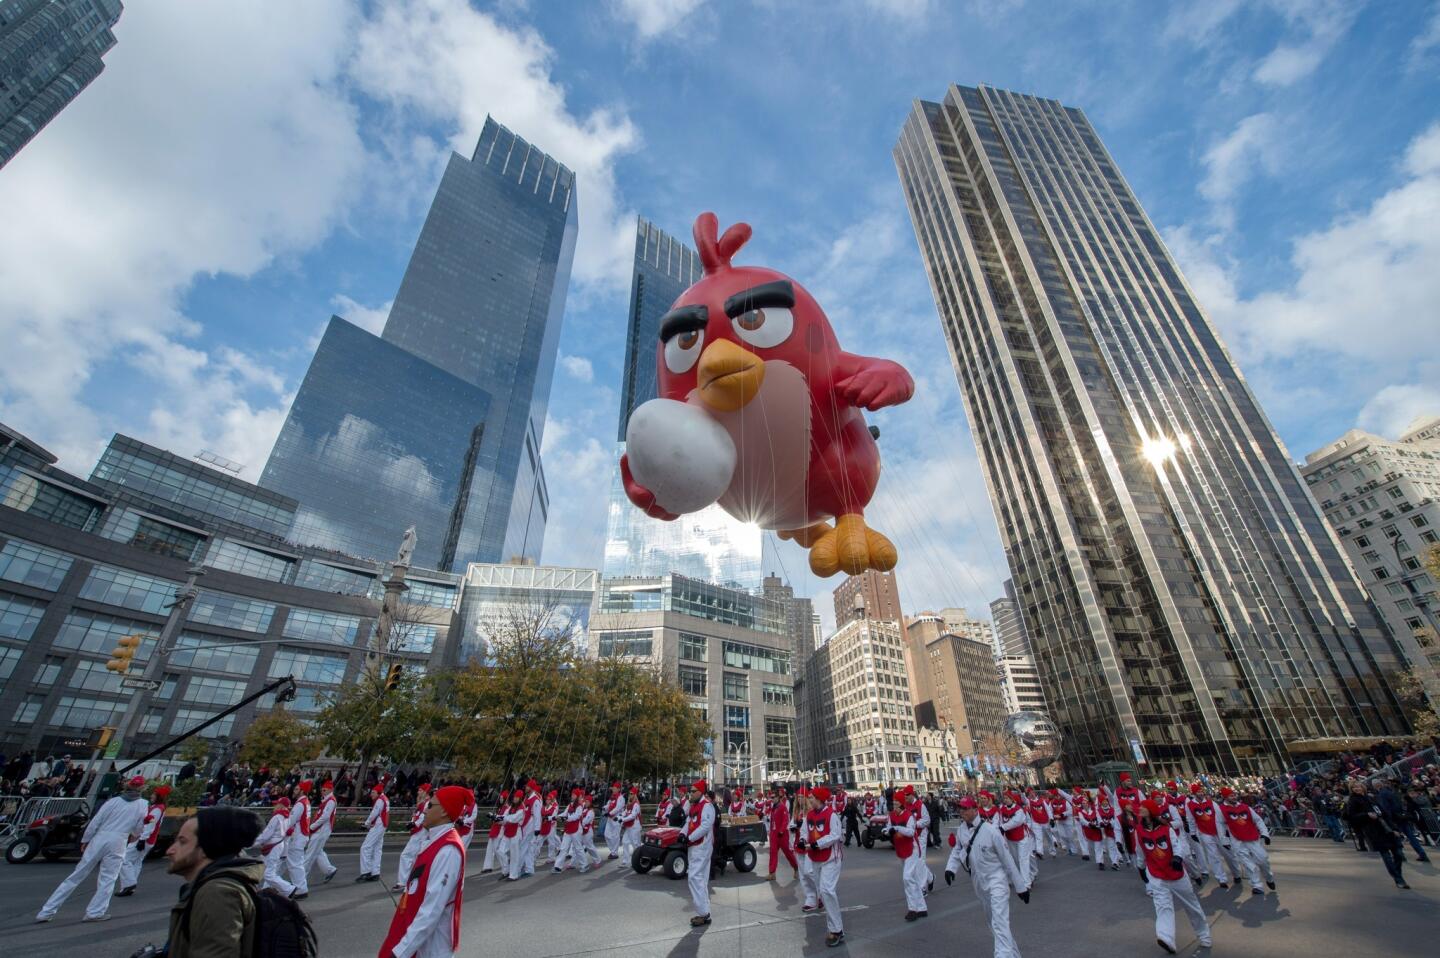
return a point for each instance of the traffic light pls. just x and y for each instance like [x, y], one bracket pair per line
[392, 680]
[125, 648]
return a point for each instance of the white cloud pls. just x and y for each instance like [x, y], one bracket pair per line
[579, 469]
[1426, 41]
[183, 159]
[1254, 146]
[1393, 408]
[1199, 21]
[444, 60]
[578, 367]
[371, 318]
[913, 9]
[653, 18]
[1320, 24]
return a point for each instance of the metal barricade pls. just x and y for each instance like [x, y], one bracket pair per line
[35, 808]
[1410, 765]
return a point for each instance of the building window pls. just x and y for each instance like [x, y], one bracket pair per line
[308, 698]
[186, 719]
[90, 676]
[633, 642]
[779, 741]
[322, 627]
[778, 694]
[203, 690]
[233, 612]
[129, 590]
[1380, 572]
[329, 578]
[318, 667]
[155, 536]
[32, 565]
[1412, 563]
[74, 711]
[737, 742]
[737, 687]
[737, 716]
[1362, 541]
[150, 721]
[49, 671]
[413, 637]
[93, 632]
[1419, 521]
[693, 647]
[702, 708]
[29, 709]
[692, 680]
[739, 655]
[22, 491]
[213, 655]
[434, 594]
[18, 617]
[8, 658]
[231, 556]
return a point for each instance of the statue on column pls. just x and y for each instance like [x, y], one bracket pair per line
[407, 548]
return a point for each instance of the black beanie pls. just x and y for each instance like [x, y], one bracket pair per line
[224, 830]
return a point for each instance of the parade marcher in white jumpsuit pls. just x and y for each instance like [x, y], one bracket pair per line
[135, 852]
[699, 835]
[1019, 834]
[613, 806]
[465, 824]
[374, 845]
[980, 850]
[117, 824]
[1207, 828]
[320, 828]
[297, 840]
[1046, 841]
[821, 838]
[495, 848]
[1165, 878]
[417, 838]
[550, 827]
[1249, 835]
[905, 833]
[572, 848]
[525, 842]
[1111, 834]
[271, 842]
[631, 828]
[587, 830]
[427, 919]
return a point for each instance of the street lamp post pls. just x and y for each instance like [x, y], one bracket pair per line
[149, 681]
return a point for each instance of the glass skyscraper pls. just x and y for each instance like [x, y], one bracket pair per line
[50, 50]
[711, 544]
[1186, 606]
[478, 315]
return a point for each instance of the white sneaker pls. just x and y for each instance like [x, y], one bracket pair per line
[96, 918]
[41, 919]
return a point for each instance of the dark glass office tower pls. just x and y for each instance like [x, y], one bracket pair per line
[50, 50]
[451, 436]
[1185, 603]
[710, 545]
[483, 299]
[377, 440]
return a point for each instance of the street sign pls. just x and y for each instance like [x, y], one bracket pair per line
[149, 685]
[113, 749]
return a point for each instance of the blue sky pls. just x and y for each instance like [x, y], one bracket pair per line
[171, 246]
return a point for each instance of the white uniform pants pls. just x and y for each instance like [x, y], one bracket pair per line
[1211, 860]
[1045, 843]
[275, 871]
[315, 852]
[827, 880]
[552, 843]
[612, 837]
[572, 851]
[492, 854]
[587, 847]
[408, 854]
[371, 850]
[808, 873]
[1023, 852]
[1108, 846]
[913, 877]
[130, 869]
[108, 853]
[629, 841]
[1164, 894]
[698, 875]
[295, 860]
[1068, 836]
[522, 855]
[994, 895]
[1255, 860]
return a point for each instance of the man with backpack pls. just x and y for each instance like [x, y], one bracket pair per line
[222, 911]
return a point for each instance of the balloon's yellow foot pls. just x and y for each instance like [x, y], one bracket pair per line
[851, 547]
[807, 536]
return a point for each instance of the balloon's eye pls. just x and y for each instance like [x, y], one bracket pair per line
[766, 327]
[682, 350]
[688, 340]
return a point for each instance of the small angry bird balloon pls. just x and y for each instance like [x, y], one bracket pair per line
[749, 349]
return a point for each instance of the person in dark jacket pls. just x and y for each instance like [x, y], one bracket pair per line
[1367, 820]
[215, 916]
[852, 821]
[1399, 818]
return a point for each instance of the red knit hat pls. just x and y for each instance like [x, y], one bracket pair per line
[282, 802]
[1124, 776]
[968, 801]
[1196, 788]
[455, 799]
[533, 785]
[1227, 792]
[698, 785]
[327, 786]
[425, 787]
[162, 792]
[1153, 807]
[634, 790]
[305, 786]
[821, 792]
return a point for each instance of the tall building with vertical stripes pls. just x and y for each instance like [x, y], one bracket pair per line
[1187, 606]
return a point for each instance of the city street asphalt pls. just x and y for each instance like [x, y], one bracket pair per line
[1330, 901]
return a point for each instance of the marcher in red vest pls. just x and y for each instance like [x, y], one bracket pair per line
[1092, 833]
[1250, 835]
[320, 828]
[1109, 829]
[271, 842]
[903, 828]
[549, 830]
[1165, 879]
[417, 836]
[1015, 824]
[1046, 841]
[297, 840]
[427, 919]
[374, 845]
[136, 851]
[820, 868]
[1207, 826]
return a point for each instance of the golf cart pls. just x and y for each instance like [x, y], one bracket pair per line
[53, 837]
[875, 830]
[665, 846]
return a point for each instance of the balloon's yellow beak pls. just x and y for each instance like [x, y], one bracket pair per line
[729, 376]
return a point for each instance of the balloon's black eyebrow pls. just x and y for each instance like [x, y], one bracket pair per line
[778, 293]
[683, 319]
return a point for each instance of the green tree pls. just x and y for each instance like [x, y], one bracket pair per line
[1410, 690]
[195, 750]
[363, 719]
[279, 741]
[641, 727]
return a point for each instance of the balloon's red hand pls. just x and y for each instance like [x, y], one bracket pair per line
[642, 497]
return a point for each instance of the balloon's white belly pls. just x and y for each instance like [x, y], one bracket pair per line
[772, 444]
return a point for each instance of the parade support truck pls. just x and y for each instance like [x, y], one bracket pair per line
[875, 830]
[665, 847]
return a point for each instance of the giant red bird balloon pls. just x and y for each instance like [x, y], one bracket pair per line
[760, 409]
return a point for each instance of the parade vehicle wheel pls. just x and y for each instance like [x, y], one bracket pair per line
[21, 850]
[868, 841]
[674, 865]
[639, 862]
[745, 858]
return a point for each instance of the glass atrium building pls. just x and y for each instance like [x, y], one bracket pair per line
[1187, 607]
